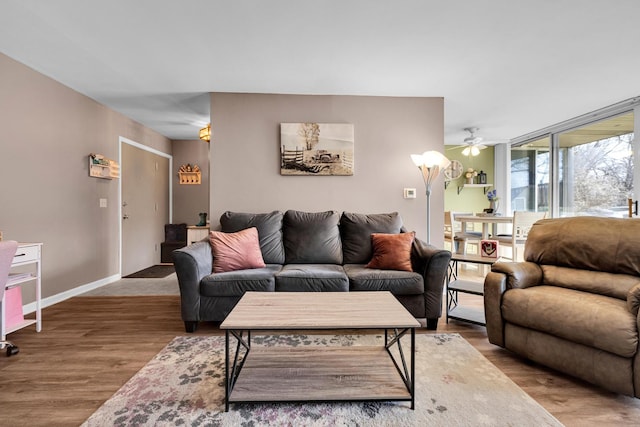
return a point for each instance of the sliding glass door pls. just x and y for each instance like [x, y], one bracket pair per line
[530, 176]
[584, 170]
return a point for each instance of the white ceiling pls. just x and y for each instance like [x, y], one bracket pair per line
[507, 67]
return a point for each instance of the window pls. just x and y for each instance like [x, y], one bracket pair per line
[593, 173]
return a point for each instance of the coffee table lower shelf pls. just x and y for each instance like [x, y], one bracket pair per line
[318, 374]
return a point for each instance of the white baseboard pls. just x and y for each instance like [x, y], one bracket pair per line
[54, 299]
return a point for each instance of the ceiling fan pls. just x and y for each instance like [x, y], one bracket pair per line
[472, 143]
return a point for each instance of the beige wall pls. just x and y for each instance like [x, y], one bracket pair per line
[190, 200]
[47, 131]
[245, 155]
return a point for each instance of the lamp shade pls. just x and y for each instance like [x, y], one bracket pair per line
[430, 163]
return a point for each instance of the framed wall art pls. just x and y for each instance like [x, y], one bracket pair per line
[316, 148]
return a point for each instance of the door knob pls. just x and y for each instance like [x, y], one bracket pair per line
[125, 216]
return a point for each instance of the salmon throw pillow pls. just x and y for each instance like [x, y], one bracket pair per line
[236, 251]
[391, 251]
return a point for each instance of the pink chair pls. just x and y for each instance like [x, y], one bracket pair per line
[7, 252]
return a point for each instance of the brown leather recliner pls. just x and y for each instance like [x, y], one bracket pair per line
[573, 304]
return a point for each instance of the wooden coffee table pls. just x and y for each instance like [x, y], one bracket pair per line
[316, 373]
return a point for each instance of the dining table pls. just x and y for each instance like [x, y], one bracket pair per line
[485, 220]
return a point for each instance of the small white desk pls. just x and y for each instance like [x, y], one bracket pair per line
[485, 221]
[27, 254]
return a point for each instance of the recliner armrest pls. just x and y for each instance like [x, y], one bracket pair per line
[505, 276]
[519, 274]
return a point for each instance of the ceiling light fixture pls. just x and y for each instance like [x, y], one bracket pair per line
[205, 133]
[471, 150]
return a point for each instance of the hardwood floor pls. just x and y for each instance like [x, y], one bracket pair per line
[90, 346]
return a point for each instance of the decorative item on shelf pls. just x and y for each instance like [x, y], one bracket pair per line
[203, 219]
[482, 178]
[469, 175]
[452, 172]
[190, 174]
[101, 167]
[205, 133]
[489, 248]
[493, 201]
[430, 164]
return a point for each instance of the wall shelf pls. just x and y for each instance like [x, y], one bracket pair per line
[101, 167]
[485, 187]
[190, 175]
[192, 178]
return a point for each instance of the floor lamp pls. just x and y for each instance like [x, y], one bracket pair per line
[430, 164]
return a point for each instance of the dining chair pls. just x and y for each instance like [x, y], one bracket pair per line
[454, 234]
[7, 252]
[521, 224]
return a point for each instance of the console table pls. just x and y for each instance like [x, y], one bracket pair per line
[28, 254]
[195, 233]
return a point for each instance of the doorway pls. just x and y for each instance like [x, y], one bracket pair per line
[145, 204]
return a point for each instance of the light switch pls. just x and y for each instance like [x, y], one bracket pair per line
[409, 193]
[103, 203]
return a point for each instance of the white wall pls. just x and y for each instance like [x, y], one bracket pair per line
[245, 156]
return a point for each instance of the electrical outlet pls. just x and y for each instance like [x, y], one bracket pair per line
[103, 203]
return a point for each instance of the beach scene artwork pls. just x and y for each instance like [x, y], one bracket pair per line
[316, 148]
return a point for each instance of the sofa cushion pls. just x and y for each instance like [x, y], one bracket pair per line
[235, 251]
[392, 251]
[590, 319]
[269, 227]
[312, 278]
[236, 283]
[356, 230]
[312, 238]
[362, 278]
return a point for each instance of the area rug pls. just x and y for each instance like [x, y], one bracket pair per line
[155, 272]
[183, 385]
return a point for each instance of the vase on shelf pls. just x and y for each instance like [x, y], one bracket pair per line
[493, 205]
[203, 219]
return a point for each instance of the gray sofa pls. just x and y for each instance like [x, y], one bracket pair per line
[573, 304]
[309, 252]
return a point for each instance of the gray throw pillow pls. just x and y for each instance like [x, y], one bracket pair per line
[356, 232]
[269, 227]
[312, 238]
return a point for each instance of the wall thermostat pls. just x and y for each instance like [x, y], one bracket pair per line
[409, 193]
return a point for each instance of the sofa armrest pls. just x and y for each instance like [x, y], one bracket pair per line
[432, 263]
[192, 263]
[504, 276]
